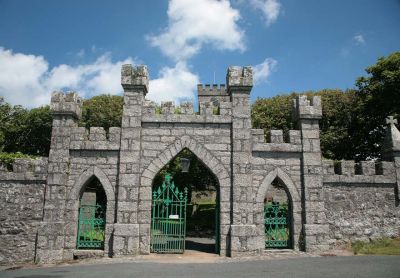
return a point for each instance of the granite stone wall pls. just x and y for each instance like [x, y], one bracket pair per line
[361, 212]
[21, 209]
[361, 201]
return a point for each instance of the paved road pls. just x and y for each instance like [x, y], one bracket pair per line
[326, 267]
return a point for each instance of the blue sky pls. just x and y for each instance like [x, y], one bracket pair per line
[293, 45]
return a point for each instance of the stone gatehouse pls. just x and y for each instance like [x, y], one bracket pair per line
[328, 203]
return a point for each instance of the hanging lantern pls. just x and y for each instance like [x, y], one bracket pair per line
[185, 163]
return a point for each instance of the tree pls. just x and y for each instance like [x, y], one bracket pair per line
[36, 135]
[273, 113]
[103, 111]
[379, 95]
[23, 130]
[276, 113]
[12, 119]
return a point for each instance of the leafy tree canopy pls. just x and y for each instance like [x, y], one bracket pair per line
[102, 110]
[276, 113]
[23, 130]
[379, 94]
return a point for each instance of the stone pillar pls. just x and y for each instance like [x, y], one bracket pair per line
[66, 110]
[135, 82]
[391, 150]
[243, 231]
[315, 229]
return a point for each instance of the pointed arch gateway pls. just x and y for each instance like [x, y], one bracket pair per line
[271, 212]
[212, 163]
[92, 200]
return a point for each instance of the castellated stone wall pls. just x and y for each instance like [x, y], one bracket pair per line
[21, 209]
[360, 201]
[329, 203]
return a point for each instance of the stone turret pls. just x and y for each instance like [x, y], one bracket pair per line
[240, 82]
[135, 82]
[239, 79]
[69, 104]
[135, 77]
[306, 109]
[66, 110]
[307, 114]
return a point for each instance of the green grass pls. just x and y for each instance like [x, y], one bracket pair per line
[384, 246]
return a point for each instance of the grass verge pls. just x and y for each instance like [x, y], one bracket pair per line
[383, 246]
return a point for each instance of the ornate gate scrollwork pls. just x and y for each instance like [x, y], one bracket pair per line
[277, 225]
[91, 226]
[168, 222]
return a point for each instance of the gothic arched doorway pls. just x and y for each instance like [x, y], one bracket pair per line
[278, 216]
[201, 229]
[92, 216]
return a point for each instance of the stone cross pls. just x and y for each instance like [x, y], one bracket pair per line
[391, 121]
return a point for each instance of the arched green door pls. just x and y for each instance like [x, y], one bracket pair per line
[91, 225]
[168, 222]
[277, 225]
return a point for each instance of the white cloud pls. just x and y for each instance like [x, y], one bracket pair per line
[262, 71]
[359, 39]
[269, 8]
[27, 79]
[195, 23]
[173, 84]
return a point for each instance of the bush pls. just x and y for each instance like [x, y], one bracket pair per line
[7, 159]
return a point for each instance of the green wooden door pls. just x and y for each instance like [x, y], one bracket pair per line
[168, 221]
[277, 225]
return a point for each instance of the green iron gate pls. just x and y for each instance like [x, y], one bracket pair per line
[91, 226]
[168, 223]
[277, 225]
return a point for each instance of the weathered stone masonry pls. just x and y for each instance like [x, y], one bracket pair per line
[330, 204]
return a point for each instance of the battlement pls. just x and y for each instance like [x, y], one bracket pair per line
[168, 112]
[25, 169]
[135, 77]
[276, 141]
[95, 138]
[66, 104]
[347, 171]
[303, 108]
[211, 90]
[239, 78]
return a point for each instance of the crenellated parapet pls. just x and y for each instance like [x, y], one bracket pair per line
[211, 90]
[25, 169]
[276, 141]
[184, 113]
[95, 139]
[69, 104]
[363, 172]
[212, 93]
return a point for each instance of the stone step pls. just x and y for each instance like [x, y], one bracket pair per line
[88, 254]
